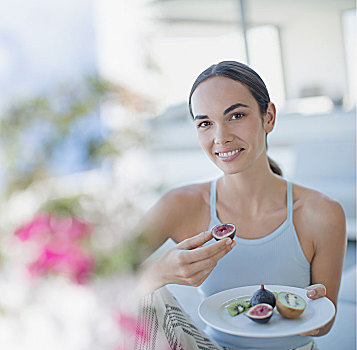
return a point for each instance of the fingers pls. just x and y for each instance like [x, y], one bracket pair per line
[312, 333]
[203, 253]
[193, 263]
[195, 241]
[198, 278]
[316, 291]
[211, 261]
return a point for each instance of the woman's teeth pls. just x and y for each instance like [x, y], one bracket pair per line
[228, 154]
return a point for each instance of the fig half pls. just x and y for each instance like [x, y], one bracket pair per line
[223, 231]
[260, 313]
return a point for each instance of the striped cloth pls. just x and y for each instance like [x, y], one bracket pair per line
[167, 327]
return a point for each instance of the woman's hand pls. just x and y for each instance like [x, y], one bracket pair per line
[315, 291]
[188, 263]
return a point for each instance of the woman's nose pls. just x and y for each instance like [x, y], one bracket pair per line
[222, 135]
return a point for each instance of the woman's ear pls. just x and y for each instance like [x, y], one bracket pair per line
[269, 118]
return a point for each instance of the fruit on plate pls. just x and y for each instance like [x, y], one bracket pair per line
[263, 296]
[223, 231]
[260, 313]
[237, 307]
[290, 305]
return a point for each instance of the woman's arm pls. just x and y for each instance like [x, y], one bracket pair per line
[179, 215]
[325, 219]
[188, 263]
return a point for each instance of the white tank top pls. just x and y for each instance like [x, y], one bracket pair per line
[274, 259]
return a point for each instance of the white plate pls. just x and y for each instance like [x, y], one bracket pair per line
[213, 312]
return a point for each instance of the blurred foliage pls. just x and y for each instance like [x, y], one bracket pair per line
[39, 134]
[35, 131]
[122, 258]
[126, 252]
[63, 207]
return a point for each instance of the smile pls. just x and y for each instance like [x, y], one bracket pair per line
[227, 156]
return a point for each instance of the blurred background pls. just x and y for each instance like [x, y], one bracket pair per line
[94, 127]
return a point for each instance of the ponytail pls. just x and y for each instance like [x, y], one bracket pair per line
[275, 167]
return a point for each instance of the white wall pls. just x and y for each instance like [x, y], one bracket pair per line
[313, 54]
[122, 31]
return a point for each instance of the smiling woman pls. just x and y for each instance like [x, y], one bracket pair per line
[286, 234]
[253, 88]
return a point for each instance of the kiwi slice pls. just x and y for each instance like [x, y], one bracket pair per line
[237, 307]
[290, 305]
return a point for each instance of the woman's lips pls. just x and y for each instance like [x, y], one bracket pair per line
[227, 156]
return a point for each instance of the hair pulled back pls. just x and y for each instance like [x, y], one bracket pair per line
[245, 75]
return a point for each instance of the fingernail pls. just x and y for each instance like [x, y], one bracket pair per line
[311, 293]
[233, 244]
[228, 241]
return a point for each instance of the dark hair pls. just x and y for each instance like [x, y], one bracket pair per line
[242, 73]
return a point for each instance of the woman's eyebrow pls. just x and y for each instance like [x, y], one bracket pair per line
[200, 117]
[231, 108]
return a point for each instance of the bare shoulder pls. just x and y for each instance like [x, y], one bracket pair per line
[181, 212]
[318, 213]
[187, 197]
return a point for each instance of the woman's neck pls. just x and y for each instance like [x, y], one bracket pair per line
[253, 189]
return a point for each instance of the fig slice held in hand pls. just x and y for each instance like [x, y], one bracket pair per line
[223, 231]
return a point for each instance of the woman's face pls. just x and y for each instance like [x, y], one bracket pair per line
[230, 127]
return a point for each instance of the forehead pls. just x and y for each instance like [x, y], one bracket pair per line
[217, 93]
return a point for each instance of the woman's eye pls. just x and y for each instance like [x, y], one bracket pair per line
[203, 124]
[237, 115]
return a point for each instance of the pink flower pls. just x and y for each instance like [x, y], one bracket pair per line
[38, 227]
[68, 260]
[132, 326]
[44, 225]
[58, 244]
[69, 227]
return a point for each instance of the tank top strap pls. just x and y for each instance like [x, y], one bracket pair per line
[213, 195]
[289, 200]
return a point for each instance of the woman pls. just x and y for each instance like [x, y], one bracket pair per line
[286, 234]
